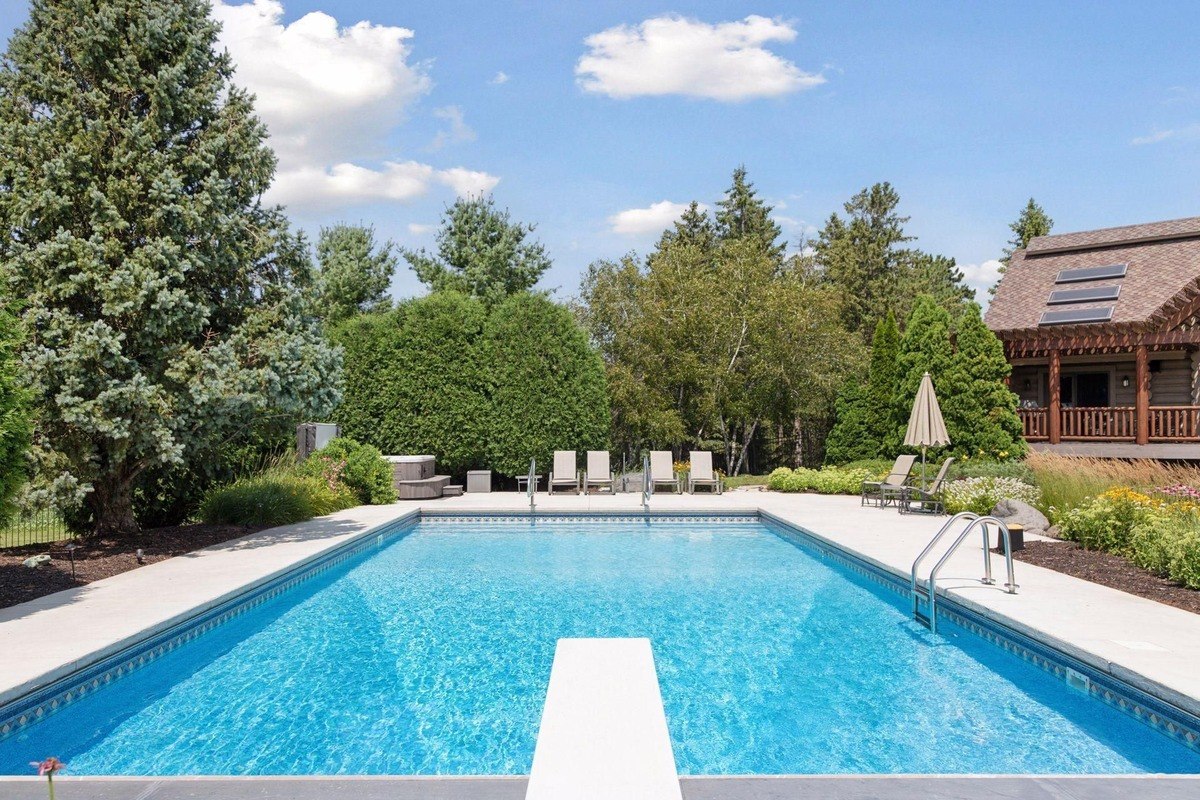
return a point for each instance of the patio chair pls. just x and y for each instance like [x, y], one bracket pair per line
[700, 472]
[564, 474]
[927, 500]
[599, 473]
[873, 491]
[662, 470]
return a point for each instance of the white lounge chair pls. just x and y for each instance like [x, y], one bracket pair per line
[565, 475]
[879, 492]
[662, 470]
[700, 472]
[599, 473]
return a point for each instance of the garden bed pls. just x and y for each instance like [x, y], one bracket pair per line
[101, 559]
[1110, 570]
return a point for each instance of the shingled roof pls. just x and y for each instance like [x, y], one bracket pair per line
[1162, 274]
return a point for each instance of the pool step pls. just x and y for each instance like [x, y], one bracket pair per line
[604, 731]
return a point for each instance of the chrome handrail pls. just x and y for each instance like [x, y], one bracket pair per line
[647, 483]
[932, 543]
[982, 522]
[532, 482]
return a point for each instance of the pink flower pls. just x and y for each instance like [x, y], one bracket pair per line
[48, 766]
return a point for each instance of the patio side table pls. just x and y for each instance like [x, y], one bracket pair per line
[479, 480]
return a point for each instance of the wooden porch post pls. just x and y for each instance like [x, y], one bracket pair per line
[1054, 413]
[1141, 411]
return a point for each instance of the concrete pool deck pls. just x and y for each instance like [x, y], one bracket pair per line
[1147, 644]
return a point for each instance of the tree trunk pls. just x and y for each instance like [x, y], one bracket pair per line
[745, 448]
[111, 503]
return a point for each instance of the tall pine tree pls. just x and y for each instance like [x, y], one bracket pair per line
[742, 216]
[164, 305]
[481, 252]
[355, 271]
[1032, 222]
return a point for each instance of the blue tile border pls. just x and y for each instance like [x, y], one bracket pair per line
[1170, 720]
[590, 517]
[46, 700]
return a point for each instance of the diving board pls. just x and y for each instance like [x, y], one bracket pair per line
[604, 732]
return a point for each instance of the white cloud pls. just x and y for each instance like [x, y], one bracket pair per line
[652, 219]
[499, 78]
[671, 54]
[330, 96]
[981, 277]
[420, 229]
[1186, 132]
[459, 130]
[466, 182]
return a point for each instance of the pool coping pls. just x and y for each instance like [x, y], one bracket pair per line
[75, 679]
[693, 787]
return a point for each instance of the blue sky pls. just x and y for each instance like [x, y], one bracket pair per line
[606, 107]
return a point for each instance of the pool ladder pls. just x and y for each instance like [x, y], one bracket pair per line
[647, 483]
[532, 484]
[926, 591]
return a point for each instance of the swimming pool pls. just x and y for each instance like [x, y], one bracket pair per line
[429, 653]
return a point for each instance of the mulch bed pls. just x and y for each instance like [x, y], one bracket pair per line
[101, 559]
[1110, 570]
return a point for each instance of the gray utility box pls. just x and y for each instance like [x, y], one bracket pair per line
[479, 480]
[312, 436]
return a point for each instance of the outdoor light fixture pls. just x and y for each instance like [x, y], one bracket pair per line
[141, 557]
[71, 553]
[1125, 381]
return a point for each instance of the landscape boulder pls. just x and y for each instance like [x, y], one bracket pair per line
[1023, 514]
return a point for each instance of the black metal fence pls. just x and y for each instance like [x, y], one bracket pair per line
[34, 527]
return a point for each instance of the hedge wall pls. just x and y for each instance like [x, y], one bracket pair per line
[415, 382]
[548, 386]
[440, 375]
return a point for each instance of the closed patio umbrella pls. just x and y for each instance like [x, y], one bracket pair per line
[926, 428]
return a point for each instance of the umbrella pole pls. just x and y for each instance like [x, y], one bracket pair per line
[922, 467]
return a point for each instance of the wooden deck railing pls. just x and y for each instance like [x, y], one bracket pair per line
[1113, 424]
[1174, 423]
[1035, 421]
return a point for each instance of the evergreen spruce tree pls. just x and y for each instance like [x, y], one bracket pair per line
[165, 308]
[694, 227]
[979, 409]
[355, 272]
[481, 252]
[924, 347]
[885, 352]
[741, 215]
[863, 255]
[15, 427]
[1032, 222]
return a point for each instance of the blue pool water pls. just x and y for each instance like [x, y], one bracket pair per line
[431, 655]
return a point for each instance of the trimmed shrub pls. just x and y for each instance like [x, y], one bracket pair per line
[827, 480]
[359, 467]
[982, 494]
[274, 498]
[981, 468]
[548, 387]
[415, 381]
[851, 437]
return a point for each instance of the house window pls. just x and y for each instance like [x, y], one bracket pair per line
[1084, 390]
